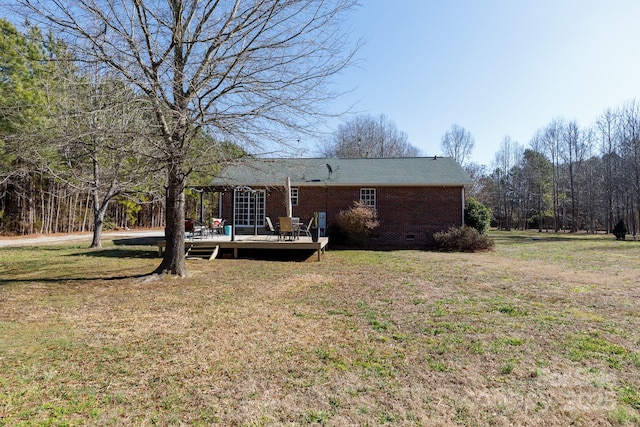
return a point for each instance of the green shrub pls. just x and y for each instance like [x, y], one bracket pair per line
[108, 224]
[463, 239]
[620, 230]
[477, 215]
[131, 209]
[358, 222]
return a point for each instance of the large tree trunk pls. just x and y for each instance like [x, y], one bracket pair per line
[174, 259]
[98, 221]
[99, 211]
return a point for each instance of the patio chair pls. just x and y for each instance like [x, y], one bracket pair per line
[190, 228]
[221, 226]
[216, 226]
[198, 230]
[271, 228]
[295, 225]
[286, 227]
[306, 228]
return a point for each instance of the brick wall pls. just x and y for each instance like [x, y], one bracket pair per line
[408, 215]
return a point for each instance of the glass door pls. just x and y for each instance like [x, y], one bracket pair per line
[249, 207]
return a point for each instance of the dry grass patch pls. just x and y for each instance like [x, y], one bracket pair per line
[538, 332]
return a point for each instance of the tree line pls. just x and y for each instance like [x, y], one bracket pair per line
[569, 178]
[76, 149]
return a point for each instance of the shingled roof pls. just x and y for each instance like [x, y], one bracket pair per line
[411, 171]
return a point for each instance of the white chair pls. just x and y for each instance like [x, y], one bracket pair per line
[295, 225]
[306, 228]
[271, 228]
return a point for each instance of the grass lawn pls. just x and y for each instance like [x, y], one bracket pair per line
[545, 330]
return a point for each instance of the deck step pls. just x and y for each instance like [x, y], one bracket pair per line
[208, 253]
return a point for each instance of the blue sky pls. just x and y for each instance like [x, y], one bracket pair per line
[495, 67]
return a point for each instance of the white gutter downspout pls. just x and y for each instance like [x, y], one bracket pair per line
[463, 205]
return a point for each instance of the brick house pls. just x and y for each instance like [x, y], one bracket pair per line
[414, 197]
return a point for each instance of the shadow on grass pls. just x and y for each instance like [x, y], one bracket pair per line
[271, 255]
[611, 246]
[138, 241]
[44, 248]
[548, 237]
[114, 253]
[61, 280]
[118, 253]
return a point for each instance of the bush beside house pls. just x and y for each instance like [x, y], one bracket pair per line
[477, 215]
[463, 239]
[358, 223]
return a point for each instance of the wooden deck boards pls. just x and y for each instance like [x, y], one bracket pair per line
[259, 242]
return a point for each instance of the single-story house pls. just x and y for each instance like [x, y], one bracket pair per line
[413, 197]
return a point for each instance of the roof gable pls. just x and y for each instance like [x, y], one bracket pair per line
[412, 171]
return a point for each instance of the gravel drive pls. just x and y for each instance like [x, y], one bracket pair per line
[6, 241]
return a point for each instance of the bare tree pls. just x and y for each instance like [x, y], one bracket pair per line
[245, 70]
[536, 173]
[630, 150]
[458, 143]
[607, 131]
[505, 177]
[574, 149]
[552, 141]
[92, 139]
[103, 145]
[369, 136]
[590, 181]
[477, 173]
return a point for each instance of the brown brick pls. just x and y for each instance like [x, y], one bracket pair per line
[409, 216]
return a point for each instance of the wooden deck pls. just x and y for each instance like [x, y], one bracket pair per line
[260, 242]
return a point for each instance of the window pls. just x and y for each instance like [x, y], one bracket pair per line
[294, 197]
[368, 197]
[248, 205]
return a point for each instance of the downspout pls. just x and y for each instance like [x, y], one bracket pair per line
[233, 216]
[325, 232]
[463, 205]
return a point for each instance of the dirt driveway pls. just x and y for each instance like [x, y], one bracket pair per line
[7, 241]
